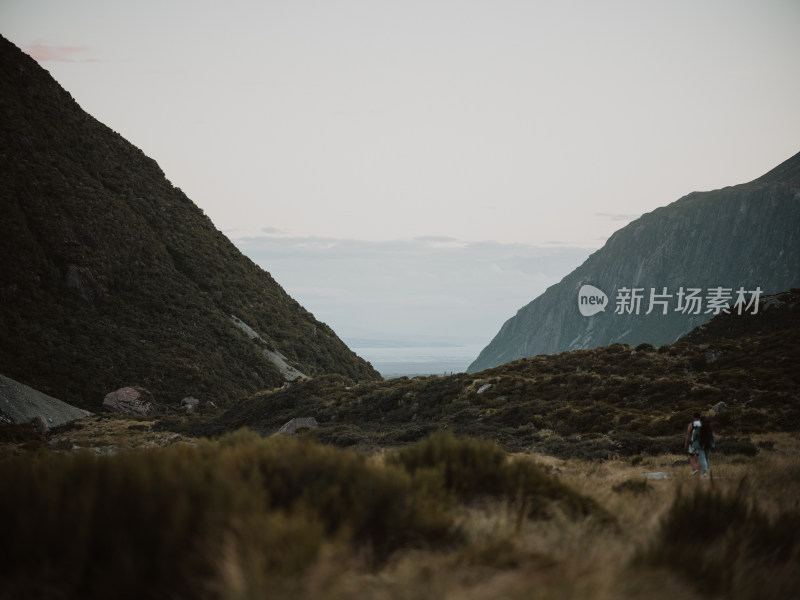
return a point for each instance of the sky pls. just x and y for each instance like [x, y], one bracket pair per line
[426, 168]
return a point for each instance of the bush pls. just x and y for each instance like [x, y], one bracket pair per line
[467, 466]
[18, 434]
[721, 542]
[172, 522]
[471, 468]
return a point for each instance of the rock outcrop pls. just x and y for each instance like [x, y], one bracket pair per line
[22, 404]
[296, 425]
[190, 404]
[742, 237]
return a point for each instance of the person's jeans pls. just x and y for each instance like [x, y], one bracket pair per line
[703, 461]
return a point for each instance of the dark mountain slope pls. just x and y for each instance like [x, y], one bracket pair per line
[743, 236]
[777, 314]
[111, 276]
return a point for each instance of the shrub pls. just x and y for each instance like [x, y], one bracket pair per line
[470, 468]
[172, 522]
[467, 466]
[721, 542]
[18, 434]
[636, 487]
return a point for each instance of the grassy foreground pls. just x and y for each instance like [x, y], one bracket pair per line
[249, 517]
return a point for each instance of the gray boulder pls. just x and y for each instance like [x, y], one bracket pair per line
[295, 425]
[719, 407]
[40, 424]
[190, 404]
[134, 401]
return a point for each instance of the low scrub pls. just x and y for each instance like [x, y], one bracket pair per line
[169, 522]
[723, 542]
[474, 468]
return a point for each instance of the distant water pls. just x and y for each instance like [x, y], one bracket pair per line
[410, 361]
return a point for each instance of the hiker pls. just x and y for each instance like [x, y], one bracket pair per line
[706, 440]
[690, 445]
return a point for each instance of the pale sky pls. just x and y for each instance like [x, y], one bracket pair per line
[443, 142]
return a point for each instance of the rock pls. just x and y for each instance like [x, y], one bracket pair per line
[190, 404]
[130, 401]
[719, 407]
[40, 424]
[21, 404]
[484, 387]
[713, 355]
[295, 425]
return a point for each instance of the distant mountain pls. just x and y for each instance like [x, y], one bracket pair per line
[742, 237]
[111, 276]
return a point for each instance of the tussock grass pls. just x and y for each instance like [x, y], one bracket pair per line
[244, 517]
[176, 521]
[472, 468]
[723, 542]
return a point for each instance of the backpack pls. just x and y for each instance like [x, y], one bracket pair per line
[695, 434]
[695, 441]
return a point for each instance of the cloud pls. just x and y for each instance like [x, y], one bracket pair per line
[272, 231]
[440, 241]
[618, 216]
[44, 53]
[413, 287]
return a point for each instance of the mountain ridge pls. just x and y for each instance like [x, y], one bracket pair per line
[114, 277]
[744, 235]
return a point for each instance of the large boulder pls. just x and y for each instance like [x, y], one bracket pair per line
[130, 401]
[40, 424]
[298, 424]
[190, 404]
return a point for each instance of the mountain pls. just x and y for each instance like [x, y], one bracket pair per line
[742, 237]
[111, 276]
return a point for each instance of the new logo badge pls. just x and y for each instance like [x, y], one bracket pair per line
[591, 300]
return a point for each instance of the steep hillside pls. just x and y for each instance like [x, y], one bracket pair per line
[595, 403]
[744, 236]
[111, 276]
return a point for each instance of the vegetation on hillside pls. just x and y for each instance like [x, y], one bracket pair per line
[599, 404]
[111, 276]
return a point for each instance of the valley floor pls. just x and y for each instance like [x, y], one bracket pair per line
[562, 558]
[246, 517]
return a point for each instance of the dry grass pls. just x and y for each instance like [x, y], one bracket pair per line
[286, 549]
[564, 558]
